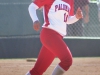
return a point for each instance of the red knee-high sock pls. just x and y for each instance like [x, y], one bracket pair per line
[44, 60]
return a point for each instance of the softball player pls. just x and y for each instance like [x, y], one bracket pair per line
[57, 13]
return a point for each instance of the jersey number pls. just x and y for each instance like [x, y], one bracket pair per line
[65, 17]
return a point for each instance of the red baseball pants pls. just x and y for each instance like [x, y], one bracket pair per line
[53, 46]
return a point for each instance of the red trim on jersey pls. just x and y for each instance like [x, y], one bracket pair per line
[40, 3]
[47, 5]
[46, 10]
[72, 8]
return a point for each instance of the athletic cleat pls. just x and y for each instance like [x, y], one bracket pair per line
[28, 73]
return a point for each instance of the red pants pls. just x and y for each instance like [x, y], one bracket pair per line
[53, 46]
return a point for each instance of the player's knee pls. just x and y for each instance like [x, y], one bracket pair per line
[66, 63]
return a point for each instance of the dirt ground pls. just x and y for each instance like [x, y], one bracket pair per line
[81, 66]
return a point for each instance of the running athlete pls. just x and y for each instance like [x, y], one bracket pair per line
[57, 13]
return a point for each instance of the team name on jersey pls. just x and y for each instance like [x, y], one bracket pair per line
[61, 7]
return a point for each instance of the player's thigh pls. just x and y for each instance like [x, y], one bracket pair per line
[54, 42]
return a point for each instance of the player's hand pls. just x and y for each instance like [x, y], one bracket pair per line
[79, 13]
[36, 25]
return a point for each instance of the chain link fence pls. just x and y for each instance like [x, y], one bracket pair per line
[90, 29]
[15, 19]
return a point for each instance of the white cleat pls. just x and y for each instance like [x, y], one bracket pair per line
[28, 73]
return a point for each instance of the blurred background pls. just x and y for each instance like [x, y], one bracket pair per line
[16, 25]
[15, 19]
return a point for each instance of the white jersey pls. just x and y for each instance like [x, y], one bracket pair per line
[56, 14]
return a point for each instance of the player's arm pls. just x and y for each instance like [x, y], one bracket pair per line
[76, 17]
[32, 12]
